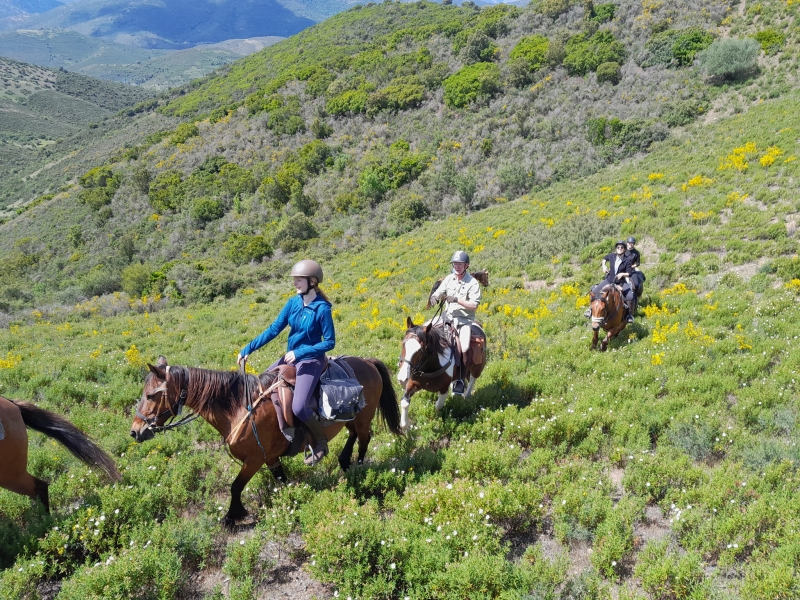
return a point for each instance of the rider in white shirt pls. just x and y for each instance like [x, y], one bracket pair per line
[462, 293]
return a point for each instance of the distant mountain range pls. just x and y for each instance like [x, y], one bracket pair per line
[152, 68]
[172, 24]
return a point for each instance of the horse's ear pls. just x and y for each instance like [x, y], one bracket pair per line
[428, 328]
[162, 361]
[409, 323]
[158, 371]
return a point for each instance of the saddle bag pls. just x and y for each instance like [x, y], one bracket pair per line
[341, 396]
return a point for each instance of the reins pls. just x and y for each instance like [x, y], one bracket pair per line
[172, 409]
[416, 370]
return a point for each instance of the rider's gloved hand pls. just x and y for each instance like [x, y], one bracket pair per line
[452, 299]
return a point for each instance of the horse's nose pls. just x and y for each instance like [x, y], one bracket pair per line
[135, 434]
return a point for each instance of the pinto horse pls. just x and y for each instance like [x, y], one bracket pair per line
[15, 417]
[222, 399]
[427, 363]
[608, 312]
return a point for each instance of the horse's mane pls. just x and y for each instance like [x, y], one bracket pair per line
[436, 338]
[223, 390]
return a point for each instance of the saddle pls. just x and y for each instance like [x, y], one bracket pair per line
[477, 345]
[336, 369]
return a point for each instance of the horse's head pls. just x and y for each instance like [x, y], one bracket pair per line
[414, 350]
[599, 307]
[162, 398]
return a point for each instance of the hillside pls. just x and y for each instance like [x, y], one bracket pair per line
[154, 69]
[173, 24]
[23, 8]
[370, 124]
[666, 467]
[49, 116]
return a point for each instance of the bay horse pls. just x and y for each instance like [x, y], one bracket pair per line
[608, 312]
[15, 418]
[222, 399]
[427, 362]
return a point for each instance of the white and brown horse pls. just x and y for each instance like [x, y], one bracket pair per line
[15, 418]
[428, 362]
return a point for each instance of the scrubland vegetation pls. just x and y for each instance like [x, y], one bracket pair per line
[663, 469]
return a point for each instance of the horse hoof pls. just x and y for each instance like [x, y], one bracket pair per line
[344, 464]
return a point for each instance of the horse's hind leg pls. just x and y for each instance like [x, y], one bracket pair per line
[237, 510]
[347, 452]
[277, 472]
[363, 443]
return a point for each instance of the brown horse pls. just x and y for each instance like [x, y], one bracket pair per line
[608, 312]
[15, 417]
[427, 363]
[222, 398]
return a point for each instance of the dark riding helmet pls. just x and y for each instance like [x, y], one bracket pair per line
[460, 256]
[620, 243]
[631, 240]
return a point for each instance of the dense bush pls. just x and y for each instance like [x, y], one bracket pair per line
[478, 48]
[166, 191]
[408, 211]
[730, 58]
[292, 235]
[527, 57]
[553, 8]
[609, 72]
[400, 94]
[584, 54]
[183, 132]
[135, 278]
[481, 80]
[242, 248]
[675, 47]
[602, 13]
[771, 41]
[284, 115]
[349, 102]
[390, 168]
[100, 184]
[207, 209]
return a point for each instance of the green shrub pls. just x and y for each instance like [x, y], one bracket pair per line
[141, 179]
[349, 102]
[389, 169]
[478, 48]
[527, 57]
[514, 178]
[730, 58]
[406, 212]
[584, 54]
[694, 437]
[603, 13]
[553, 8]
[294, 232]
[318, 83]
[609, 72]
[242, 248]
[667, 574]
[771, 41]
[321, 129]
[183, 132]
[100, 184]
[135, 278]
[284, 115]
[400, 94]
[207, 209]
[481, 80]
[675, 47]
[166, 191]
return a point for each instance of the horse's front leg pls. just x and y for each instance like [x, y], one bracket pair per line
[405, 404]
[440, 401]
[594, 338]
[470, 385]
[347, 452]
[236, 510]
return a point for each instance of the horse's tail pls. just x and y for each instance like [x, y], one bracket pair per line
[388, 401]
[70, 436]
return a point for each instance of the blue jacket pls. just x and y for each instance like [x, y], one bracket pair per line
[311, 332]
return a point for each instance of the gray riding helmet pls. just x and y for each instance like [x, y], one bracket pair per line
[620, 243]
[631, 240]
[460, 256]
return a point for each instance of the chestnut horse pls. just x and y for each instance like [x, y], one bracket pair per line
[222, 399]
[608, 312]
[15, 417]
[427, 363]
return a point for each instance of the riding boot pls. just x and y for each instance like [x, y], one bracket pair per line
[319, 447]
[458, 384]
[631, 307]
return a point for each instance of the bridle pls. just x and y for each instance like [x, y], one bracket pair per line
[601, 320]
[416, 370]
[173, 409]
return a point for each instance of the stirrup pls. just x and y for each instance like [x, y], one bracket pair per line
[316, 454]
[458, 386]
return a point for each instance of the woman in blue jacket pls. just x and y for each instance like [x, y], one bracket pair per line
[311, 335]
